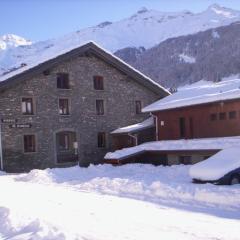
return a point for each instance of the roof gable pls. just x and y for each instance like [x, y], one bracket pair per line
[27, 72]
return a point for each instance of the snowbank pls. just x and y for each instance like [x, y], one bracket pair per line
[216, 166]
[171, 185]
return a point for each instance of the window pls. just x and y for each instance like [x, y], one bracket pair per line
[138, 107]
[29, 143]
[63, 81]
[213, 117]
[27, 106]
[191, 128]
[63, 106]
[101, 139]
[98, 83]
[222, 116]
[232, 115]
[185, 160]
[100, 107]
[182, 127]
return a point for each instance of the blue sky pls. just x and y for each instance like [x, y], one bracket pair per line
[43, 19]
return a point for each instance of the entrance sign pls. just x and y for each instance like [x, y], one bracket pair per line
[24, 125]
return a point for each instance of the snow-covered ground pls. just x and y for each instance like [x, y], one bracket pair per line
[106, 202]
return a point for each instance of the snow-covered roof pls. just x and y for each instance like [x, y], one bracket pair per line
[178, 145]
[200, 93]
[135, 127]
[216, 166]
[55, 54]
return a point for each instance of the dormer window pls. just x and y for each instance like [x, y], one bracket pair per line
[63, 81]
[98, 83]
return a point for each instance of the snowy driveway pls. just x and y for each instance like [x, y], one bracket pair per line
[105, 202]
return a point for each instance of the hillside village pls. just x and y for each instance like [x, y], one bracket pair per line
[93, 147]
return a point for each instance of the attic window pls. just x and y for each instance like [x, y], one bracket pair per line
[63, 81]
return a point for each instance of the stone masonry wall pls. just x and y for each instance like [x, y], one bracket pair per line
[120, 93]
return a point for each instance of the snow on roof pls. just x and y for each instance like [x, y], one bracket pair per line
[48, 54]
[135, 127]
[56, 51]
[195, 94]
[216, 166]
[178, 145]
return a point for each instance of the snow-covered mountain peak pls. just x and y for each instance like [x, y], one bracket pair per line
[12, 40]
[225, 12]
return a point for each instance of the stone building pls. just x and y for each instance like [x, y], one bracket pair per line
[60, 112]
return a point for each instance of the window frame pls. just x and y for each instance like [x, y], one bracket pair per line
[189, 160]
[137, 110]
[213, 117]
[25, 151]
[222, 116]
[232, 117]
[58, 78]
[68, 108]
[96, 84]
[96, 107]
[33, 106]
[103, 137]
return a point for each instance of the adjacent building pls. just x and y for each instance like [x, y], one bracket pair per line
[61, 111]
[190, 125]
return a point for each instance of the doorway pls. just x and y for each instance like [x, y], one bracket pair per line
[66, 147]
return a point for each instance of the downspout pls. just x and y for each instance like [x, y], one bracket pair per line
[1, 154]
[156, 125]
[134, 137]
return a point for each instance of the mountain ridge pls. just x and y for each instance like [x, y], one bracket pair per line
[144, 29]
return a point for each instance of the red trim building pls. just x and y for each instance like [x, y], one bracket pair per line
[210, 111]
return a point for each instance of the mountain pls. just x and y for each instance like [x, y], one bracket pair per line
[10, 41]
[144, 29]
[210, 55]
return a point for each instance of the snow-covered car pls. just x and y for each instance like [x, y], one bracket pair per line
[221, 168]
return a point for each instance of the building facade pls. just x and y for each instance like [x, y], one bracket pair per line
[60, 113]
[217, 119]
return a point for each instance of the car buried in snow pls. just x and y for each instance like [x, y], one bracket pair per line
[222, 168]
